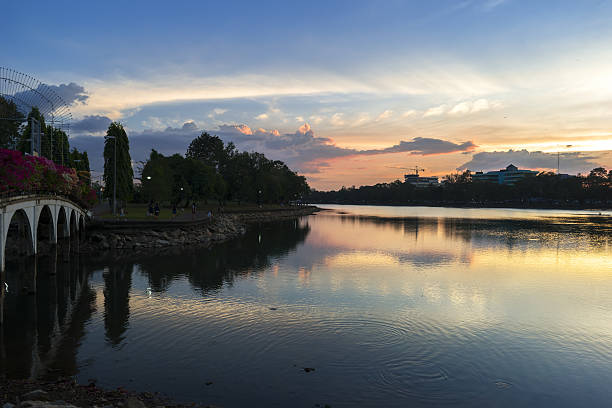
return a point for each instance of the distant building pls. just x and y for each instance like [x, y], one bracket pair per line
[508, 176]
[419, 181]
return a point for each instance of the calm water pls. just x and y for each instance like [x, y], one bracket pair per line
[391, 306]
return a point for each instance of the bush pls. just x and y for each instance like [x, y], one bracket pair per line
[21, 173]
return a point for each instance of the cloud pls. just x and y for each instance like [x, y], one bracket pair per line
[315, 119]
[570, 162]
[461, 108]
[408, 113]
[336, 119]
[71, 93]
[435, 111]
[302, 150]
[425, 146]
[219, 111]
[166, 141]
[467, 107]
[491, 4]
[385, 115]
[262, 116]
[91, 124]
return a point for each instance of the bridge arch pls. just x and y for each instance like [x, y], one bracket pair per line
[62, 226]
[18, 225]
[81, 227]
[64, 218]
[74, 227]
[45, 217]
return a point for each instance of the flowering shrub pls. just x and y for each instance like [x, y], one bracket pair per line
[20, 173]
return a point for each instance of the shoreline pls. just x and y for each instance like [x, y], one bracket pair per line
[497, 205]
[137, 235]
[65, 392]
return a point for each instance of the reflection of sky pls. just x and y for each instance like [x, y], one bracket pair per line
[388, 312]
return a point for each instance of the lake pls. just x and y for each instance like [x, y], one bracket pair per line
[354, 306]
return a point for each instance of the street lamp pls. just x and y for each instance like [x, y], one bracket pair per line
[115, 183]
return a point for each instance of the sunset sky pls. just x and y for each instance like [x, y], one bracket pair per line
[345, 92]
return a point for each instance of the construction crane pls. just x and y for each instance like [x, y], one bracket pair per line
[416, 169]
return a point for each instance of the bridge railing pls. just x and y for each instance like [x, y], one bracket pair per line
[9, 194]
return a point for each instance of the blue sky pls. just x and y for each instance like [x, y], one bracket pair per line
[521, 78]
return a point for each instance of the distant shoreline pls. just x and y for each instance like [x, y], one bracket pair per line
[498, 205]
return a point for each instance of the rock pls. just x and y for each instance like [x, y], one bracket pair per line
[133, 402]
[162, 242]
[8, 405]
[44, 404]
[35, 395]
[308, 369]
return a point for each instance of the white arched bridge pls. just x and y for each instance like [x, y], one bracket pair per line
[27, 220]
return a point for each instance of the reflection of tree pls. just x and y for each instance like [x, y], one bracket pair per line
[117, 285]
[44, 331]
[594, 230]
[66, 357]
[208, 269]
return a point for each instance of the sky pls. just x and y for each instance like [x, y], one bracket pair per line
[345, 92]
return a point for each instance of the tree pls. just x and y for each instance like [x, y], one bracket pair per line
[208, 149]
[25, 141]
[10, 122]
[125, 174]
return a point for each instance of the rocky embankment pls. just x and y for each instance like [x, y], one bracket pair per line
[160, 234]
[66, 393]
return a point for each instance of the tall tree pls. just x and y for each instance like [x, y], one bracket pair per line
[157, 178]
[125, 174]
[25, 141]
[208, 149]
[10, 122]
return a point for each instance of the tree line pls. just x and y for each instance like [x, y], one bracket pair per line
[542, 190]
[209, 170]
[16, 134]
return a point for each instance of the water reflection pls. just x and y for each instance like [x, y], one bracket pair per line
[390, 311]
[41, 332]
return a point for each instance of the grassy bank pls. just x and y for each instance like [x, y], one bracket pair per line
[138, 212]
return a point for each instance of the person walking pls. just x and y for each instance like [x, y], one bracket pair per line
[156, 210]
[193, 210]
[174, 210]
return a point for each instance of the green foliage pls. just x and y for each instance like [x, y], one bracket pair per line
[10, 122]
[212, 170]
[78, 160]
[543, 190]
[125, 174]
[176, 178]
[24, 144]
[207, 149]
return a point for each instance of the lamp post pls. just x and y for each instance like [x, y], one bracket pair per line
[115, 183]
